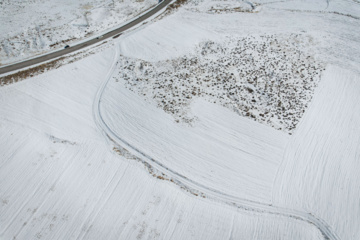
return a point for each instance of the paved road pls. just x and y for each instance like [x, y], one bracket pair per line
[77, 47]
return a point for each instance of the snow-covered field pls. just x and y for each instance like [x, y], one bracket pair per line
[35, 27]
[224, 119]
[60, 179]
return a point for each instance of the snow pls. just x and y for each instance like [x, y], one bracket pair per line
[220, 151]
[35, 27]
[118, 146]
[155, 43]
[60, 179]
[325, 151]
[266, 78]
[347, 8]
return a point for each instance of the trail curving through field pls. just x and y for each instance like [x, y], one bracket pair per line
[193, 186]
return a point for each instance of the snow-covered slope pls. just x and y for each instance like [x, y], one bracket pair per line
[224, 119]
[221, 151]
[325, 152]
[60, 179]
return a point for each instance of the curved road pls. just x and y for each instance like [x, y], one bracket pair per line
[53, 55]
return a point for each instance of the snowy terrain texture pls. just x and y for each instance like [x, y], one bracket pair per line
[34, 27]
[217, 120]
[267, 78]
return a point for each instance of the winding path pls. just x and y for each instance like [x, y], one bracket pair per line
[177, 178]
[193, 186]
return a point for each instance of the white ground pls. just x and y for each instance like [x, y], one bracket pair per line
[60, 179]
[34, 27]
[228, 174]
[326, 150]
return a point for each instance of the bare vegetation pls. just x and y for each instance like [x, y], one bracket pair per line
[268, 79]
[171, 8]
[176, 4]
[39, 69]
[153, 172]
[31, 72]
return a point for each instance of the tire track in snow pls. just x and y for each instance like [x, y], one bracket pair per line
[192, 186]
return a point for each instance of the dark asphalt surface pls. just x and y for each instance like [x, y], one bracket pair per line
[37, 60]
